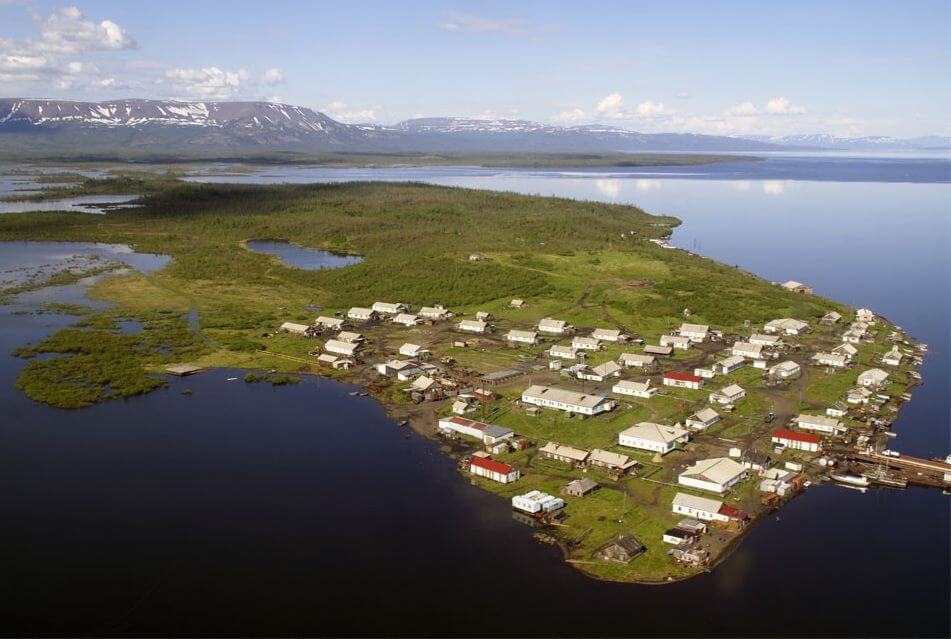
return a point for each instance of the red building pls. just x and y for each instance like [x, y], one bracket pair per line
[682, 380]
[797, 441]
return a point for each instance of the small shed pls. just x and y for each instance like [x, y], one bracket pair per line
[622, 550]
[580, 487]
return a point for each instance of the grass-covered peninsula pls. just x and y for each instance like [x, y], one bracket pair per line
[591, 265]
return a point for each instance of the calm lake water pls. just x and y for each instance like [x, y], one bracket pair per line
[302, 257]
[247, 509]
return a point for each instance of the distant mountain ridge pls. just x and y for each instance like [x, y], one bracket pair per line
[171, 126]
[866, 143]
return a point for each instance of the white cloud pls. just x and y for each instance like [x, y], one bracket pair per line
[458, 22]
[273, 76]
[207, 83]
[68, 31]
[783, 106]
[649, 109]
[570, 116]
[611, 106]
[743, 108]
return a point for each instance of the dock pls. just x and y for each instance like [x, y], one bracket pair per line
[182, 370]
[906, 469]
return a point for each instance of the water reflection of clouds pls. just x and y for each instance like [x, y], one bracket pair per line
[608, 188]
[774, 187]
[648, 185]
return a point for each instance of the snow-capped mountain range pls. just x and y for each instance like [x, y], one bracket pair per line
[169, 127]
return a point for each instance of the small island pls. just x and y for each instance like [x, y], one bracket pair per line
[638, 405]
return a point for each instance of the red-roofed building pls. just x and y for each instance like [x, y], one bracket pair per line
[733, 514]
[797, 441]
[494, 470]
[682, 380]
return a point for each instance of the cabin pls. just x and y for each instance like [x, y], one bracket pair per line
[517, 303]
[522, 337]
[760, 339]
[340, 347]
[330, 323]
[296, 329]
[682, 343]
[678, 537]
[831, 318]
[389, 308]
[568, 401]
[634, 389]
[562, 352]
[846, 349]
[858, 395]
[586, 344]
[436, 312]
[361, 314]
[705, 373]
[797, 441]
[701, 508]
[634, 360]
[694, 332]
[404, 370]
[334, 361]
[653, 437]
[608, 335]
[551, 326]
[621, 550]
[612, 461]
[414, 351]
[473, 326]
[785, 370]
[755, 460]
[494, 470]
[786, 326]
[580, 487]
[798, 287]
[664, 351]
[839, 409]
[682, 380]
[728, 365]
[821, 424]
[716, 475]
[565, 454]
[463, 407]
[483, 316]
[728, 395]
[830, 359]
[865, 315]
[407, 319]
[702, 419]
[893, 357]
[601, 372]
[745, 349]
[485, 433]
[873, 378]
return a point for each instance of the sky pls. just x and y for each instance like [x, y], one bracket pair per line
[731, 68]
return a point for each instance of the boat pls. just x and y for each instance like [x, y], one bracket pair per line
[851, 480]
[231, 379]
[402, 422]
[354, 393]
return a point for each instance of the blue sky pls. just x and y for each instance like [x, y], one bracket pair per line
[846, 68]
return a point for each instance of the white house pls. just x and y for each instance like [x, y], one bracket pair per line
[517, 303]
[473, 326]
[494, 470]
[694, 332]
[839, 409]
[705, 373]
[484, 316]
[635, 389]
[728, 395]
[717, 475]
[564, 454]
[332, 323]
[830, 359]
[389, 308]
[436, 312]
[653, 349]
[335, 361]
[797, 287]
[361, 314]
[760, 339]
[601, 372]
[677, 341]
[865, 315]
[340, 347]
[554, 327]
[797, 441]
[586, 344]
[702, 419]
[653, 437]
[821, 424]
[873, 378]
[845, 349]
[404, 369]
[745, 349]
[568, 401]
[682, 380]
[407, 319]
[562, 352]
[893, 357]
[522, 337]
[786, 326]
[608, 335]
[349, 336]
[536, 501]
[785, 370]
[830, 318]
[635, 360]
[858, 395]
[485, 433]
[414, 350]
[293, 327]
[698, 507]
[728, 365]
